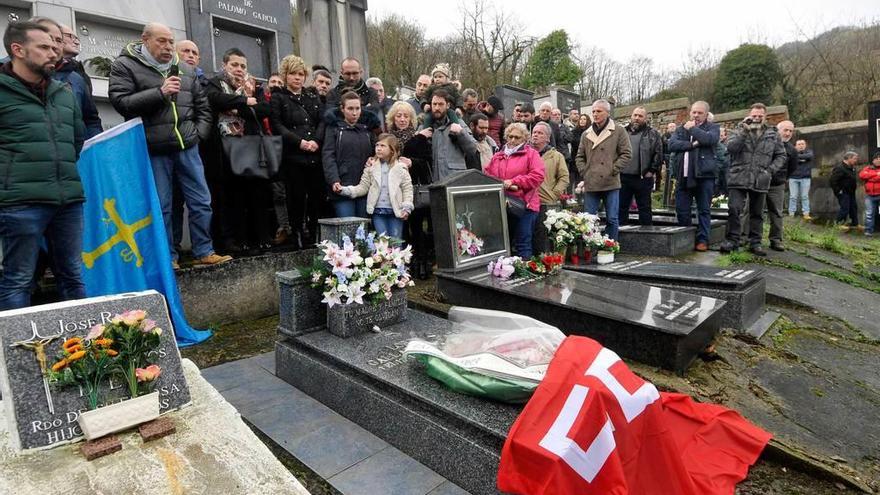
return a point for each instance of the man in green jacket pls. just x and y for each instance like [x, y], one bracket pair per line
[41, 135]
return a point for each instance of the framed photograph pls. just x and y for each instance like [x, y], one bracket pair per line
[478, 224]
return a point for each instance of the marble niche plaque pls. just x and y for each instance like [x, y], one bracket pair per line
[43, 416]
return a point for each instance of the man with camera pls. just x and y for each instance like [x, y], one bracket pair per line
[756, 153]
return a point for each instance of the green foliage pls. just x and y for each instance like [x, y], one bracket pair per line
[795, 232]
[669, 94]
[735, 258]
[551, 63]
[746, 75]
[830, 241]
[100, 65]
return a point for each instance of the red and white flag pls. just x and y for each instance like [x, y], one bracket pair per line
[594, 427]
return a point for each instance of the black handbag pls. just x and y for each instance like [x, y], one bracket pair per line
[516, 206]
[256, 157]
[421, 193]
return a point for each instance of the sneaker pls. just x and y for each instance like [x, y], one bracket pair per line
[175, 265]
[807, 217]
[701, 247]
[727, 247]
[757, 250]
[214, 259]
[860, 228]
[843, 228]
[777, 246]
[869, 234]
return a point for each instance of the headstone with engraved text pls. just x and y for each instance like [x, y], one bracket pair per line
[42, 415]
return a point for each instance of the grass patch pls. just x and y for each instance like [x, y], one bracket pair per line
[735, 258]
[830, 241]
[795, 232]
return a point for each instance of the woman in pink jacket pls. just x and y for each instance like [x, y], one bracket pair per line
[522, 170]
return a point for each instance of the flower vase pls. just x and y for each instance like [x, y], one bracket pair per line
[588, 256]
[119, 416]
[347, 320]
[605, 257]
[571, 253]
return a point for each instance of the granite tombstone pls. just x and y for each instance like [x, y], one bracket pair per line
[653, 325]
[656, 240]
[334, 229]
[743, 290]
[42, 415]
[468, 211]
[367, 379]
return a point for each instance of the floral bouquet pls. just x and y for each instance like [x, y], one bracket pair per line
[122, 347]
[566, 228]
[507, 267]
[719, 201]
[468, 243]
[368, 267]
[609, 245]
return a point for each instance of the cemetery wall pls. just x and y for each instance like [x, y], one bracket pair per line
[240, 290]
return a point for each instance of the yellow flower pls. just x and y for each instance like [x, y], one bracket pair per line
[60, 365]
[103, 342]
[74, 348]
[112, 353]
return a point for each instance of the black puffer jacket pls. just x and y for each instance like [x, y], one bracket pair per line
[297, 118]
[754, 160]
[135, 92]
[345, 152]
[790, 166]
[843, 179]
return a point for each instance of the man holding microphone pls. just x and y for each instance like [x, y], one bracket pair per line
[148, 81]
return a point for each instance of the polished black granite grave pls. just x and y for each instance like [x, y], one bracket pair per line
[717, 228]
[650, 324]
[719, 213]
[366, 379]
[742, 290]
[656, 240]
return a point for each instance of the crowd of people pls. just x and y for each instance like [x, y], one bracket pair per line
[350, 150]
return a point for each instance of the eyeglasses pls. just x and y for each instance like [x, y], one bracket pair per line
[515, 136]
[354, 73]
[71, 36]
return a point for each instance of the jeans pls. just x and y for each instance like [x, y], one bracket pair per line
[521, 229]
[848, 207]
[384, 221]
[775, 201]
[633, 185]
[351, 207]
[799, 191]
[22, 229]
[871, 204]
[186, 167]
[702, 194]
[612, 206]
[735, 207]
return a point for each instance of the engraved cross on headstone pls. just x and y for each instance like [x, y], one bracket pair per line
[37, 343]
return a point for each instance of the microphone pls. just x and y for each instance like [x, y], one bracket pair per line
[174, 71]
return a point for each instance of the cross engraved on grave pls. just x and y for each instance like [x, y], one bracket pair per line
[37, 343]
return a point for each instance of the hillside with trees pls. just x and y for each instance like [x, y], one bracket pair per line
[827, 78]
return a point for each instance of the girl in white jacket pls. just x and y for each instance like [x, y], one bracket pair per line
[388, 187]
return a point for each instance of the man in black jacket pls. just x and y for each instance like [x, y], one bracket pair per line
[799, 181]
[756, 154]
[176, 116]
[351, 78]
[637, 177]
[776, 194]
[843, 184]
[694, 165]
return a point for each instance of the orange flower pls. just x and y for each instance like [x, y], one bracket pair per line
[60, 365]
[112, 353]
[73, 349]
[76, 356]
[71, 342]
[103, 342]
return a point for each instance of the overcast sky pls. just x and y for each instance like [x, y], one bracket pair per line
[662, 30]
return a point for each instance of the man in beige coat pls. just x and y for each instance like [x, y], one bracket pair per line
[603, 151]
[555, 182]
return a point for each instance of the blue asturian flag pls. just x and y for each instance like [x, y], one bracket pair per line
[125, 248]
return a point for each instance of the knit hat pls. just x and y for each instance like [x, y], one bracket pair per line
[495, 102]
[441, 68]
